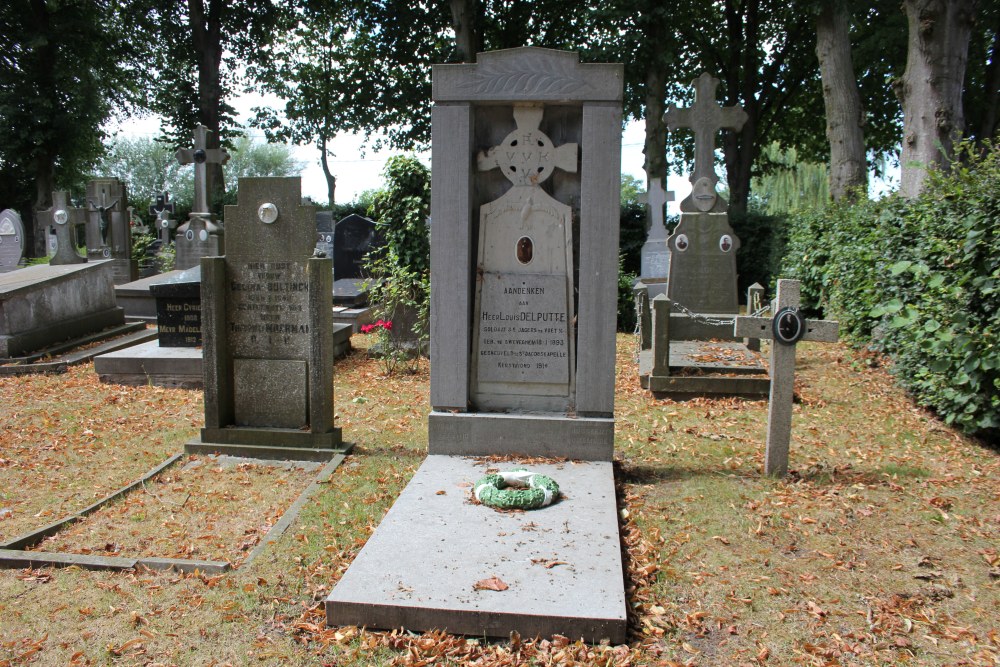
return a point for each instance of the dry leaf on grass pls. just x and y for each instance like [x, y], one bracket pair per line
[491, 584]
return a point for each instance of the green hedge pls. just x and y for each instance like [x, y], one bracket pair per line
[919, 280]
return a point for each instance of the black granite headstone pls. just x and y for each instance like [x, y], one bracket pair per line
[350, 292]
[353, 238]
[178, 309]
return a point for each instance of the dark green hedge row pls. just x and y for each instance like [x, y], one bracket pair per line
[919, 280]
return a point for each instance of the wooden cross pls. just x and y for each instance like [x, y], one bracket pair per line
[64, 218]
[706, 118]
[526, 156]
[785, 329]
[200, 156]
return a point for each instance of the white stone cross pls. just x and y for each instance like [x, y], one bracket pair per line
[200, 156]
[706, 118]
[785, 329]
[656, 198]
[526, 156]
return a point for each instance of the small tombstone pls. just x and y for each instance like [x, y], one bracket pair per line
[199, 236]
[702, 274]
[353, 238]
[161, 209]
[178, 309]
[324, 234]
[64, 219]
[786, 328]
[109, 233]
[11, 240]
[655, 265]
[267, 330]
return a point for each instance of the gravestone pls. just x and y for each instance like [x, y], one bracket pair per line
[524, 258]
[64, 219]
[178, 309]
[785, 329]
[162, 209]
[702, 272]
[324, 233]
[268, 332]
[11, 240]
[109, 234]
[353, 237]
[199, 236]
[655, 258]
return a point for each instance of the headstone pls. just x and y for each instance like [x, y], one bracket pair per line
[786, 328]
[702, 271]
[199, 236]
[324, 233]
[178, 309]
[267, 330]
[64, 219]
[11, 240]
[162, 209]
[353, 237]
[655, 258]
[109, 234]
[524, 255]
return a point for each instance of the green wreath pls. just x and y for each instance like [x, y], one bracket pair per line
[516, 489]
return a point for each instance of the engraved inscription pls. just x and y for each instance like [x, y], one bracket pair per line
[523, 329]
[268, 309]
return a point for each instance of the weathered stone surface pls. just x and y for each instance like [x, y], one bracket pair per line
[480, 434]
[63, 219]
[109, 235]
[11, 240]
[703, 264]
[40, 305]
[420, 568]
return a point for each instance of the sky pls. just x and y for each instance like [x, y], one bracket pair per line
[358, 169]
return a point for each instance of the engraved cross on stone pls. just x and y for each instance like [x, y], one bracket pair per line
[64, 218]
[526, 156]
[785, 329]
[200, 156]
[706, 118]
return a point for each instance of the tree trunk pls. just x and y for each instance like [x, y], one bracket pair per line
[988, 124]
[463, 20]
[331, 180]
[655, 147]
[44, 161]
[206, 34]
[844, 118]
[931, 88]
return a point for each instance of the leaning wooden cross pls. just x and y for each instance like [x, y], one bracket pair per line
[785, 329]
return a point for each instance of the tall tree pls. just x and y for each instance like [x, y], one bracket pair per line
[65, 68]
[931, 87]
[841, 99]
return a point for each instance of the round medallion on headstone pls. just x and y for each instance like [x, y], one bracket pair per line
[267, 213]
[61, 217]
[200, 156]
[165, 223]
[189, 235]
[789, 326]
[681, 242]
[106, 252]
[726, 243]
[203, 235]
[704, 195]
[527, 153]
[525, 250]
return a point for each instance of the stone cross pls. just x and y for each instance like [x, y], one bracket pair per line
[656, 198]
[64, 218]
[162, 210]
[526, 156]
[200, 156]
[103, 205]
[785, 329]
[706, 118]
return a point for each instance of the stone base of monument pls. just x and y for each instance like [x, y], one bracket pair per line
[42, 305]
[137, 300]
[274, 444]
[177, 367]
[534, 434]
[355, 317]
[422, 568]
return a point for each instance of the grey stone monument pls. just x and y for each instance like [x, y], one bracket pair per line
[655, 258]
[109, 235]
[267, 331]
[199, 236]
[161, 210]
[524, 259]
[64, 219]
[786, 328]
[324, 233]
[702, 272]
[11, 240]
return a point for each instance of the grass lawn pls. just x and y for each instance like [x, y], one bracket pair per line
[882, 547]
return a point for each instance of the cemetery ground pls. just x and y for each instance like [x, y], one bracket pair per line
[882, 546]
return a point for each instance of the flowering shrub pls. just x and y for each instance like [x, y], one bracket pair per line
[383, 325]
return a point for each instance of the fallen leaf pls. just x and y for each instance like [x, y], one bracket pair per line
[491, 584]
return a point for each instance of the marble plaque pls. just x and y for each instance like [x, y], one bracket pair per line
[523, 329]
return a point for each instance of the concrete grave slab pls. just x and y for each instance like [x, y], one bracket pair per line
[137, 299]
[562, 563]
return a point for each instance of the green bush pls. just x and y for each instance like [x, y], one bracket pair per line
[919, 280]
